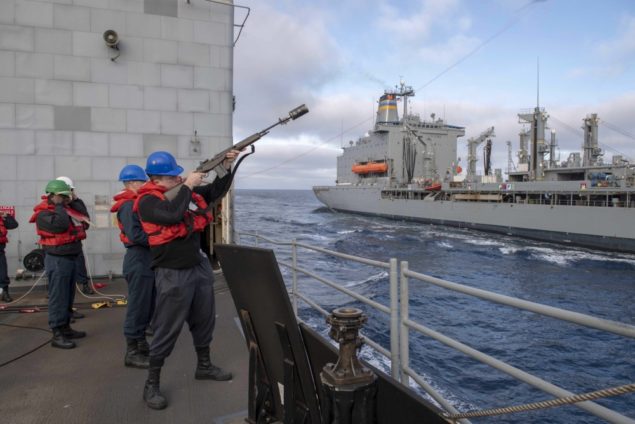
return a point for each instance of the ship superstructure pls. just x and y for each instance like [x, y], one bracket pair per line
[407, 168]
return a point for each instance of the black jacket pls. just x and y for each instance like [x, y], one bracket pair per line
[182, 252]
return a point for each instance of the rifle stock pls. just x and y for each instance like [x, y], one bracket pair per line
[209, 164]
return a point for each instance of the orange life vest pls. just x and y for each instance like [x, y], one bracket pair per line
[3, 232]
[193, 221]
[121, 198]
[75, 231]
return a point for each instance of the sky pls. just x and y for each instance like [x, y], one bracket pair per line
[472, 62]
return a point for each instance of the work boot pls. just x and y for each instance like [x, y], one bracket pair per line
[6, 297]
[60, 341]
[134, 358]
[143, 346]
[69, 333]
[87, 289]
[76, 315]
[152, 392]
[205, 370]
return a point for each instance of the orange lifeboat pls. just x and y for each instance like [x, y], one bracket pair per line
[367, 168]
[433, 187]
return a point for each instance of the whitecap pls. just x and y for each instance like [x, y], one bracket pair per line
[508, 250]
[376, 277]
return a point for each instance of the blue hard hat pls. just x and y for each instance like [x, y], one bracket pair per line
[162, 163]
[132, 173]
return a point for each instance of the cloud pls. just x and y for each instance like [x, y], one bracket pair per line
[622, 47]
[604, 71]
[433, 33]
[450, 51]
[416, 26]
[280, 59]
[615, 53]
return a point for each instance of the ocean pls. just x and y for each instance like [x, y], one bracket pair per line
[578, 359]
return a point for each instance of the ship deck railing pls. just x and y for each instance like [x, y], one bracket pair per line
[577, 198]
[401, 323]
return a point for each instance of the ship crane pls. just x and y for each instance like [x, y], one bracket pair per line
[472, 145]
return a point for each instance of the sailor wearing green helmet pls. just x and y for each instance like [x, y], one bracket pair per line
[82, 272]
[61, 229]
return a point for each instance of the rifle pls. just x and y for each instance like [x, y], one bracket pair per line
[210, 164]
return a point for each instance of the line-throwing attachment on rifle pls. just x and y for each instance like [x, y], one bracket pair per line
[214, 163]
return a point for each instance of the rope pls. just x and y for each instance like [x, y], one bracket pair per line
[112, 297]
[613, 391]
[27, 292]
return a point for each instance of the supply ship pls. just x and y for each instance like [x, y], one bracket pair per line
[407, 168]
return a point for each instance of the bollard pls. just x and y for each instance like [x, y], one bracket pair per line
[348, 388]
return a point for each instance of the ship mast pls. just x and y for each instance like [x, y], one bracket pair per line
[538, 121]
[405, 91]
[534, 126]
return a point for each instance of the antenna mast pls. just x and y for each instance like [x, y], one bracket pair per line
[537, 82]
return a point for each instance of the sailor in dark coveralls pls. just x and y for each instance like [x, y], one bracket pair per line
[184, 277]
[7, 222]
[60, 223]
[136, 268]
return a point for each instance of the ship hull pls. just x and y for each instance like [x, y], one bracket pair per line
[607, 228]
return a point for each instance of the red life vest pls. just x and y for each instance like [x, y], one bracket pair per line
[75, 231]
[3, 232]
[193, 221]
[120, 198]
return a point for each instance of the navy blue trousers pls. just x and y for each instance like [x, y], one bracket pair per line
[61, 273]
[82, 274]
[4, 271]
[183, 295]
[141, 291]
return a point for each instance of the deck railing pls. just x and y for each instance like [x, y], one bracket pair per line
[401, 323]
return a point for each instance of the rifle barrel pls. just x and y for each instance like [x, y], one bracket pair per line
[209, 164]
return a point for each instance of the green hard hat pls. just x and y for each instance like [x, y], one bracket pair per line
[58, 187]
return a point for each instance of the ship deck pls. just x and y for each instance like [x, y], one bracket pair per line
[91, 384]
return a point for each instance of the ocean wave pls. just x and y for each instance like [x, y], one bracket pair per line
[570, 256]
[483, 242]
[508, 250]
[313, 236]
[548, 255]
[376, 277]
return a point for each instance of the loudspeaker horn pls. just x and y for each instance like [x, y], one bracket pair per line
[111, 38]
